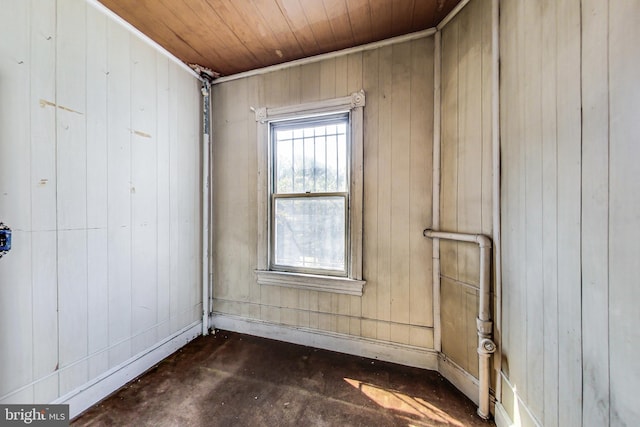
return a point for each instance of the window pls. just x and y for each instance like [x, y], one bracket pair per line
[310, 195]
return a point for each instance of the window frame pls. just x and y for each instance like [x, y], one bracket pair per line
[297, 123]
[351, 282]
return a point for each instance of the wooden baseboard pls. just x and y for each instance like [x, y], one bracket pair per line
[512, 410]
[501, 417]
[365, 347]
[462, 380]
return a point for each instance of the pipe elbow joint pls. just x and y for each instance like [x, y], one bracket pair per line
[486, 347]
[483, 241]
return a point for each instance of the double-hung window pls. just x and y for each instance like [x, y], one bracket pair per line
[310, 160]
[310, 195]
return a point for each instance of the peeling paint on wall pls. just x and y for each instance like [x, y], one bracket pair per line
[44, 103]
[140, 133]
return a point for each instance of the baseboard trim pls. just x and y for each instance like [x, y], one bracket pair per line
[514, 411]
[501, 417]
[87, 395]
[462, 380]
[365, 347]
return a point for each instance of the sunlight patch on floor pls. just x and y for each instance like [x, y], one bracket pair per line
[397, 401]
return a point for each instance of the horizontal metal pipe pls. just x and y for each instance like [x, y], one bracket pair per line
[480, 239]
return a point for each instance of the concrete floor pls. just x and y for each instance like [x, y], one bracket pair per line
[231, 379]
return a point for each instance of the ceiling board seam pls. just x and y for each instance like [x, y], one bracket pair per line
[286, 19]
[289, 23]
[353, 36]
[224, 22]
[311, 23]
[269, 28]
[221, 61]
[333, 32]
[259, 39]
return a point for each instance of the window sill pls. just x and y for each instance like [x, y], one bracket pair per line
[311, 282]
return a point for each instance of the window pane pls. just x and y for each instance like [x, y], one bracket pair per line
[284, 162]
[321, 166]
[311, 158]
[342, 162]
[284, 134]
[309, 166]
[332, 164]
[298, 165]
[310, 232]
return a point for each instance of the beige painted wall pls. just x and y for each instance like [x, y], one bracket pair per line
[571, 211]
[466, 174]
[397, 301]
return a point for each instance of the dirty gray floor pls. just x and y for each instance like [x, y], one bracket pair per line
[230, 379]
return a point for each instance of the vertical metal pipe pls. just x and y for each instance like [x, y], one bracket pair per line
[435, 215]
[484, 408]
[206, 152]
[484, 325]
[495, 140]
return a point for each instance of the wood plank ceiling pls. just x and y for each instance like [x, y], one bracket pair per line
[232, 36]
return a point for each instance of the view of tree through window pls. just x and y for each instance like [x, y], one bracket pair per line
[310, 195]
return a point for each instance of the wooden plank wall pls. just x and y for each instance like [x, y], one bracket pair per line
[571, 197]
[397, 302]
[99, 179]
[541, 177]
[466, 174]
[623, 219]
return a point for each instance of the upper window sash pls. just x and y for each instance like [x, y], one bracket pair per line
[324, 141]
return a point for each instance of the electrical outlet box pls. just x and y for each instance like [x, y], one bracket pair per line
[5, 239]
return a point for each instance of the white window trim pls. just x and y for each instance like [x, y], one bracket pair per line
[353, 284]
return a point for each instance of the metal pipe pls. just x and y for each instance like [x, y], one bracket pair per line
[206, 124]
[486, 346]
[495, 141]
[480, 239]
[435, 220]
